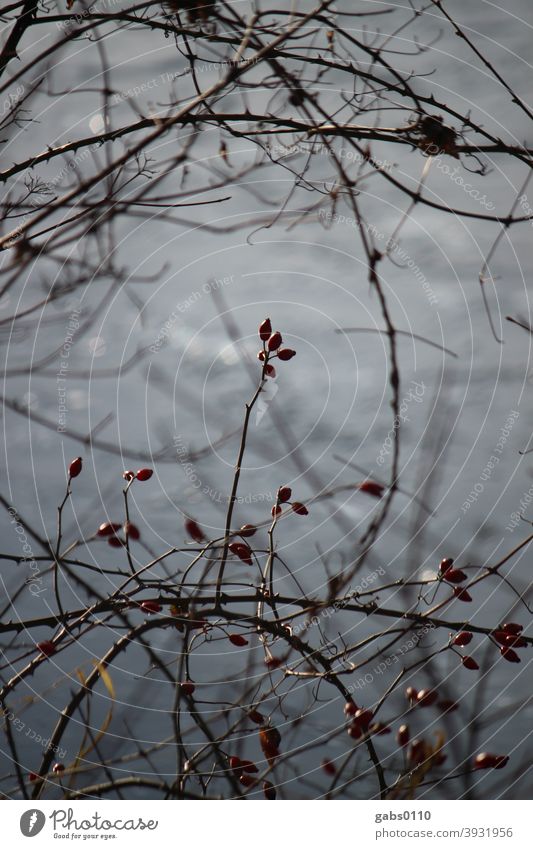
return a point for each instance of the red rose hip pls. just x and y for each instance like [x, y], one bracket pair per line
[274, 341]
[193, 530]
[469, 663]
[75, 467]
[265, 329]
[47, 648]
[237, 640]
[286, 354]
[462, 638]
[284, 494]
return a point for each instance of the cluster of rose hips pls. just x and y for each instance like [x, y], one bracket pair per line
[454, 576]
[486, 760]
[284, 496]
[508, 636]
[427, 698]
[109, 530]
[418, 750]
[75, 467]
[269, 740]
[58, 768]
[272, 342]
[360, 722]
[243, 771]
[241, 549]
[140, 475]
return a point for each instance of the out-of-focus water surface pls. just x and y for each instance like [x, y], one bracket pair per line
[333, 398]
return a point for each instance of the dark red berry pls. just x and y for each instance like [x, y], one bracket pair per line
[372, 488]
[261, 355]
[350, 708]
[469, 662]
[47, 648]
[248, 766]
[269, 791]
[272, 662]
[363, 718]
[411, 693]
[235, 763]
[426, 698]
[187, 687]
[328, 767]
[403, 735]
[354, 730]
[270, 371]
[284, 494]
[455, 576]
[276, 511]
[486, 760]
[265, 329]
[237, 640]
[107, 528]
[242, 551]
[512, 628]
[417, 752]
[75, 467]
[516, 640]
[501, 637]
[150, 607]
[299, 508]
[462, 594]
[247, 530]
[128, 475]
[193, 530]
[274, 341]
[256, 717]
[144, 474]
[246, 780]
[286, 354]
[509, 654]
[131, 530]
[32, 776]
[445, 564]
[462, 638]
[115, 542]
[58, 768]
